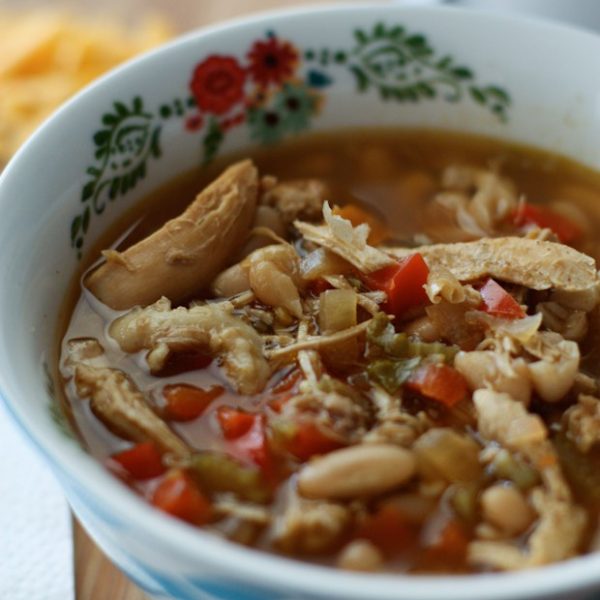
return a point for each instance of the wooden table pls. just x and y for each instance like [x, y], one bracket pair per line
[96, 577]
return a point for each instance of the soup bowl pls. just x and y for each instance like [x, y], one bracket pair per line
[235, 87]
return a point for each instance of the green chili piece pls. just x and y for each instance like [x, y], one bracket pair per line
[220, 473]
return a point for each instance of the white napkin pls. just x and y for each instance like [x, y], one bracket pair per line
[36, 543]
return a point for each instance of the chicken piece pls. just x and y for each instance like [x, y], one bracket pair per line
[83, 350]
[535, 264]
[266, 226]
[559, 530]
[583, 422]
[272, 273]
[162, 330]
[394, 424]
[339, 236]
[186, 253]
[310, 526]
[556, 537]
[296, 199]
[561, 523]
[571, 324]
[442, 285]
[554, 374]
[504, 420]
[497, 371]
[118, 403]
[450, 323]
[332, 405]
[479, 198]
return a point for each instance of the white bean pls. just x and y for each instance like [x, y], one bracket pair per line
[231, 281]
[358, 471]
[505, 507]
[360, 555]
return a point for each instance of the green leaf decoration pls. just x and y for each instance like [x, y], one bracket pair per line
[477, 95]
[85, 221]
[212, 140]
[362, 79]
[128, 138]
[122, 110]
[88, 190]
[462, 73]
[402, 66]
[75, 227]
[318, 79]
[102, 137]
[387, 59]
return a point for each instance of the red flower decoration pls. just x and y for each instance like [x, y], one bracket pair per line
[218, 84]
[272, 61]
[194, 123]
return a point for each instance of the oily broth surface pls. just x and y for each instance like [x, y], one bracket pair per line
[391, 172]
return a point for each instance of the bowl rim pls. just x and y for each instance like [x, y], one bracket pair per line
[271, 570]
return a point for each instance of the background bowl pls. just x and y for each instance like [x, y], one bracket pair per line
[175, 109]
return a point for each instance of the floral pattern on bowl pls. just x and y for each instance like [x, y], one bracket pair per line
[275, 89]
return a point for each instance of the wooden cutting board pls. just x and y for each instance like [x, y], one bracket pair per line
[95, 576]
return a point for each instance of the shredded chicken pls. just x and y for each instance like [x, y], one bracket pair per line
[583, 422]
[333, 405]
[450, 323]
[443, 285]
[185, 254]
[497, 371]
[504, 420]
[571, 324]
[84, 350]
[243, 511]
[480, 199]
[559, 530]
[162, 330]
[117, 402]
[317, 342]
[394, 425]
[310, 526]
[339, 236]
[557, 536]
[554, 373]
[535, 264]
[271, 273]
[297, 199]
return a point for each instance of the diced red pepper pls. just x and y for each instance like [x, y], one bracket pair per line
[279, 401]
[309, 441]
[142, 461]
[530, 214]
[179, 495]
[318, 286]
[188, 402]
[388, 529]
[403, 283]
[498, 302]
[253, 443]
[246, 435]
[253, 446]
[449, 543]
[234, 423]
[439, 382]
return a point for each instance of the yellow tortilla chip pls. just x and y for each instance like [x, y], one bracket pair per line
[45, 57]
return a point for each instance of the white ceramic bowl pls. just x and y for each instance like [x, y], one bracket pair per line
[174, 108]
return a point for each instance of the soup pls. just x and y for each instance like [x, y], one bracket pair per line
[372, 350]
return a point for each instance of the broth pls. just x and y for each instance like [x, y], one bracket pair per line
[393, 174]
